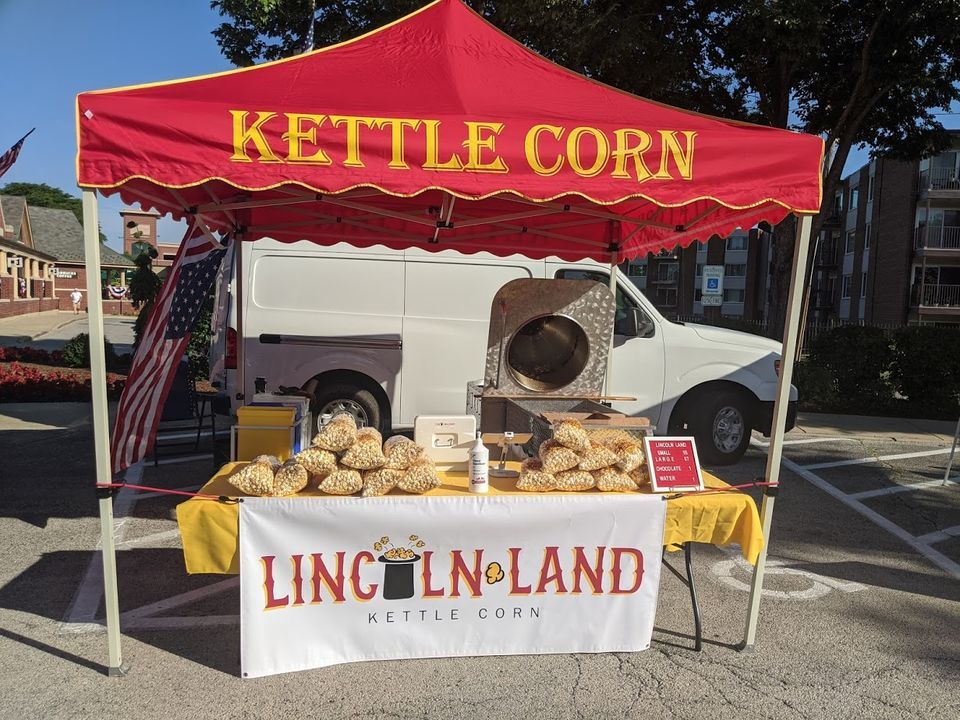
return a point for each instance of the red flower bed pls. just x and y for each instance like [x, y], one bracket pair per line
[31, 355]
[31, 383]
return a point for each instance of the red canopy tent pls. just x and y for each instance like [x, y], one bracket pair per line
[436, 131]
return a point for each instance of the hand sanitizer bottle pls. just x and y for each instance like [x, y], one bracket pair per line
[479, 466]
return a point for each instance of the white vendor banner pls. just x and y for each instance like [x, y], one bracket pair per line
[333, 580]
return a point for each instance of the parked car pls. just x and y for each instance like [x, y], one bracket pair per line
[388, 335]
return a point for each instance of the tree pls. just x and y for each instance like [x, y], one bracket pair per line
[853, 71]
[144, 286]
[43, 195]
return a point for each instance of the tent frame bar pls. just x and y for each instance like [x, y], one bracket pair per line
[791, 332]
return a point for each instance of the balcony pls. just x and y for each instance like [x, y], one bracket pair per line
[827, 254]
[933, 297]
[832, 216]
[939, 182]
[936, 237]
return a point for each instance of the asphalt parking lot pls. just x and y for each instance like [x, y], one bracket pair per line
[857, 620]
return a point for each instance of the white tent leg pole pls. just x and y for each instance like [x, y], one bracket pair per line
[239, 319]
[613, 289]
[101, 429]
[774, 453]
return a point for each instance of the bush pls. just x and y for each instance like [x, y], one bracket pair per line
[858, 360]
[31, 355]
[76, 353]
[926, 369]
[815, 386]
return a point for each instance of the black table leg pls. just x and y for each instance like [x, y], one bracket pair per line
[698, 628]
[690, 582]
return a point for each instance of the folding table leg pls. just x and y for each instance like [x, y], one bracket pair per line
[698, 628]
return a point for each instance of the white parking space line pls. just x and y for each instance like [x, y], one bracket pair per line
[898, 489]
[86, 600]
[149, 539]
[809, 441]
[940, 535]
[878, 458]
[181, 599]
[922, 547]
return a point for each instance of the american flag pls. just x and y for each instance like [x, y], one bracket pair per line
[10, 156]
[162, 344]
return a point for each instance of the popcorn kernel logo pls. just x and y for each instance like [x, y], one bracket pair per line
[494, 573]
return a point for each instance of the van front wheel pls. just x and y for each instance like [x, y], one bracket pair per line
[346, 397]
[722, 427]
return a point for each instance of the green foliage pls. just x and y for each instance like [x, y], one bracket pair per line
[76, 352]
[926, 369]
[43, 195]
[144, 286]
[815, 386]
[198, 350]
[858, 359]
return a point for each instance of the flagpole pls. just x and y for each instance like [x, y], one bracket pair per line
[101, 429]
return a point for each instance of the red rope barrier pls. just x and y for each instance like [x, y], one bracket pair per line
[148, 488]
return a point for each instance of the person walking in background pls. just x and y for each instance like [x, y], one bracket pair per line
[76, 297]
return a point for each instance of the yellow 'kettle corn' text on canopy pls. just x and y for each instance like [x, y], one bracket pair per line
[624, 153]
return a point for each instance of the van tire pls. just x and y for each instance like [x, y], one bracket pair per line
[721, 423]
[345, 396]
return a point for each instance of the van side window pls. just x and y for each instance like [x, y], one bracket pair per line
[624, 302]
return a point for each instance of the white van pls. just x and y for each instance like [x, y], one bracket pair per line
[388, 335]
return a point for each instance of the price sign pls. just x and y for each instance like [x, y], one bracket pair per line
[673, 464]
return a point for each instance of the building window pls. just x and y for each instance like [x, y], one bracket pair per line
[854, 198]
[737, 242]
[697, 295]
[738, 270]
[667, 272]
[845, 287]
[866, 236]
[666, 297]
[637, 270]
[870, 188]
[851, 241]
[734, 295]
[863, 284]
[699, 269]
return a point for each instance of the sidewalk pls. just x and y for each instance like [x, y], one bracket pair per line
[867, 427]
[22, 329]
[51, 330]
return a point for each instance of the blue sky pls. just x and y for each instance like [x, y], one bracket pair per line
[52, 49]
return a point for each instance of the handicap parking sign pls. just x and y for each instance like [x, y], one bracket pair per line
[713, 283]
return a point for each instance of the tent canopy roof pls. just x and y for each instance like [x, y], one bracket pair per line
[439, 131]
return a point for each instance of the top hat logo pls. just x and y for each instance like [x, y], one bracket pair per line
[398, 562]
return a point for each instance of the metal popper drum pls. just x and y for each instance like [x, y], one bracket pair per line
[548, 342]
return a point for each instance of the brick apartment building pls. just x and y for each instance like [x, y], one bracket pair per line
[141, 226]
[672, 281]
[42, 260]
[889, 251]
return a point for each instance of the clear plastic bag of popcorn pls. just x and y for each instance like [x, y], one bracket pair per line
[371, 434]
[338, 434]
[610, 436]
[291, 478]
[256, 478]
[557, 458]
[570, 433]
[611, 479]
[574, 480]
[365, 453]
[533, 478]
[420, 477]
[401, 452]
[317, 461]
[381, 481]
[640, 476]
[342, 481]
[629, 455]
[598, 456]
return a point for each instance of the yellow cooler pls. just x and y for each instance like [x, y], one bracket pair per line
[265, 431]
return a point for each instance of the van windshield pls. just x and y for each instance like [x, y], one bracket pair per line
[625, 303]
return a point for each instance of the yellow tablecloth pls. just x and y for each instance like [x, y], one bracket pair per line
[209, 528]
